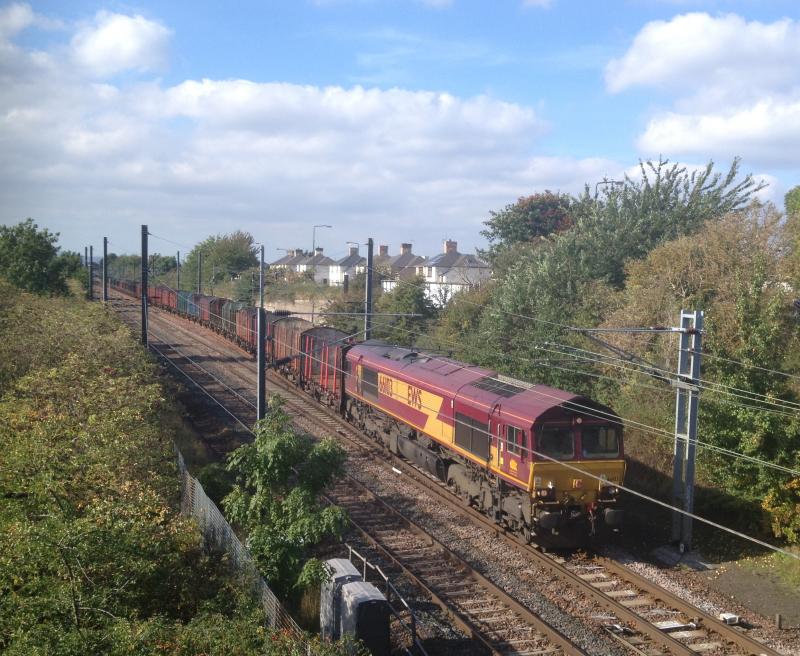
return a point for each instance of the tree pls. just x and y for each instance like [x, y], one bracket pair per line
[275, 499]
[29, 258]
[224, 256]
[792, 202]
[409, 298]
[732, 270]
[527, 220]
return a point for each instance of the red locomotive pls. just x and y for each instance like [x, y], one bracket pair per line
[540, 461]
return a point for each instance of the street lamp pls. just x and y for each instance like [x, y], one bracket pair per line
[314, 236]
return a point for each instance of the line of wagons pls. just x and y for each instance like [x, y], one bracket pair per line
[498, 441]
[308, 355]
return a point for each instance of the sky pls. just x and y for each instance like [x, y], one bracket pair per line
[401, 120]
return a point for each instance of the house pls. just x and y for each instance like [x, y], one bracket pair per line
[291, 260]
[402, 267]
[451, 272]
[317, 267]
[351, 265]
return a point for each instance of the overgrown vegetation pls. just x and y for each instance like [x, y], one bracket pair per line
[94, 555]
[31, 260]
[275, 499]
[635, 255]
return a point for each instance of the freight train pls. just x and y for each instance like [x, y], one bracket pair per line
[538, 460]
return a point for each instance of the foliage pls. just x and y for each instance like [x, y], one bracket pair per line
[30, 260]
[792, 202]
[94, 555]
[341, 304]
[570, 277]
[732, 270]
[279, 477]
[224, 256]
[408, 297]
[530, 218]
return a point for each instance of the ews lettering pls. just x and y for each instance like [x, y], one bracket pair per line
[415, 397]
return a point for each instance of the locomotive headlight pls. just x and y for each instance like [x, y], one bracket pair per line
[546, 494]
[609, 491]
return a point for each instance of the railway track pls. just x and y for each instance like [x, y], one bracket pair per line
[640, 615]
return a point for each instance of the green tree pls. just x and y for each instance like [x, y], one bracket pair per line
[530, 218]
[275, 499]
[732, 269]
[566, 278]
[29, 258]
[224, 256]
[792, 202]
[409, 298]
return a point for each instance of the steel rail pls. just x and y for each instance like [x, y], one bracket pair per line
[731, 635]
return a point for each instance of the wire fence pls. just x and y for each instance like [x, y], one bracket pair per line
[220, 536]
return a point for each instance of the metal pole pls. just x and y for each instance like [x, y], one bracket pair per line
[261, 396]
[105, 270]
[346, 284]
[368, 294]
[261, 393]
[90, 291]
[199, 272]
[86, 256]
[687, 397]
[261, 279]
[144, 285]
[178, 271]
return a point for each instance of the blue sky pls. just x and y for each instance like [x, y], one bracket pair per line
[405, 120]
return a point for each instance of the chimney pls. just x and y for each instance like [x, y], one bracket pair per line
[318, 250]
[405, 249]
[354, 250]
[384, 250]
[450, 246]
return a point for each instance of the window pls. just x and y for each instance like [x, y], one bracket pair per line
[369, 383]
[557, 442]
[430, 272]
[515, 438]
[599, 442]
[472, 435]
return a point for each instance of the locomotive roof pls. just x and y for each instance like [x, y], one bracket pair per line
[475, 385]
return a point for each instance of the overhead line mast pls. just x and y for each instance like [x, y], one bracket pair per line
[687, 397]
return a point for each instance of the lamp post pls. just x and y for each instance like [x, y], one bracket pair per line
[314, 269]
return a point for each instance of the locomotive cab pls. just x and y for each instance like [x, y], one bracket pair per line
[578, 464]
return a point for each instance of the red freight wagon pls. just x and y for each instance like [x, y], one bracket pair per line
[285, 350]
[247, 327]
[204, 307]
[215, 313]
[321, 362]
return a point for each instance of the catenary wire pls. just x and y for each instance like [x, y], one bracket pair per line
[633, 492]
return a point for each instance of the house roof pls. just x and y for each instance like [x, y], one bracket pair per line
[455, 259]
[283, 261]
[405, 261]
[351, 260]
[319, 260]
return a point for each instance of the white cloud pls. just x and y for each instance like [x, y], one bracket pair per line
[204, 156]
[542, 4]
[735, 84]
[14, 18]
[695, 50]
[113, 43]
[768, 130]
